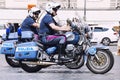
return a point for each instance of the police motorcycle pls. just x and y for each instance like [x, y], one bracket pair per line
[33, 56]
[10, 40]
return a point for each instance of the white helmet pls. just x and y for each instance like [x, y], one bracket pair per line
[52, 6]
[34, 11]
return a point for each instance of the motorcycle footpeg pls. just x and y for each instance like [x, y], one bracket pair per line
[66, 59]
[52, 59]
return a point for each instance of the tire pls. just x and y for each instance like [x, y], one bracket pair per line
[106, 41]
[75, 64]
[11, 62]
[30, 68]
[102, 66]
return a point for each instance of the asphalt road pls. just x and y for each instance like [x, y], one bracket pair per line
[57, 72]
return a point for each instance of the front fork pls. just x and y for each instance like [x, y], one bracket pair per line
[86, 58]
[90, 52]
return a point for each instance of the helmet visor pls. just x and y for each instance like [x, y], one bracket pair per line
[37, 12]
[56, 8]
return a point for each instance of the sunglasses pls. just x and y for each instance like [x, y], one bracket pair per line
[54, 9]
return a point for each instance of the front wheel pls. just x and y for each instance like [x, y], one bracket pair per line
[103, 64]
[30, 68]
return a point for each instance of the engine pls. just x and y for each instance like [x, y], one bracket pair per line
[73, 50]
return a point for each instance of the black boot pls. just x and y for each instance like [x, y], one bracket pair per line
[61, 56]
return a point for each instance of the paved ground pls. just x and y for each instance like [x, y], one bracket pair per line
[57, 72]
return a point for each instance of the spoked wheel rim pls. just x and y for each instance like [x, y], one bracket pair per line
[103, 65]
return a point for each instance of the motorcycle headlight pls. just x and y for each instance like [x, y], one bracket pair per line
[92, 50]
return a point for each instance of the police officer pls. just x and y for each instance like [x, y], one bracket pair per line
[49, 27]
[29, 23]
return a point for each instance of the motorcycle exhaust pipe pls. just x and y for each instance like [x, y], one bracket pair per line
[39, 63]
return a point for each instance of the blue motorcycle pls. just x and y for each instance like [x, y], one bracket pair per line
[33, 56]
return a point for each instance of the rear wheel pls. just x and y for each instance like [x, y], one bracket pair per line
[11, 61]
[30, 68]
[101, 65]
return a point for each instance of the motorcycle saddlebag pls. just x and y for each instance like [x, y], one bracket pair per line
[26, 51]
[8, 47]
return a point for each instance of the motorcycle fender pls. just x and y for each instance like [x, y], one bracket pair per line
[100, 47]
[93, 49]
